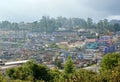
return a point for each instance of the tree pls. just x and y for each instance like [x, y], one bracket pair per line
[55, 74]
[83, 75]
[57, 62]
[69, 66]
[116, 27]
[115, 75]
[10, 72]
[38, 71]
[89, 23]
[109, 65]
[100, 26]
[2, 79]
[110, 61]
[30, 71]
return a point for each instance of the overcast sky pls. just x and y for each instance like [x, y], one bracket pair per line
[32, 10]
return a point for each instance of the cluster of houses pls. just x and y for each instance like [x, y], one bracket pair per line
[85, 47]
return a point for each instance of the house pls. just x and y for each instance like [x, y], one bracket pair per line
[91, 44]
[86, 56]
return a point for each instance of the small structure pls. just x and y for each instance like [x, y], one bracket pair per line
[16, 62]
[2, 62]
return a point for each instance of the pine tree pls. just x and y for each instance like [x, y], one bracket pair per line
[69, 66]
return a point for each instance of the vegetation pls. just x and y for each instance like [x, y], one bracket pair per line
[32, 72]
[109, 67]
[47, 24]
[58, 63]
[69, 67]
[110, 61]
[53, 45]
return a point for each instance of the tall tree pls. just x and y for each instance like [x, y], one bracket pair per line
[116, 27]
[69, 66]
[57, 62]
[89, 22]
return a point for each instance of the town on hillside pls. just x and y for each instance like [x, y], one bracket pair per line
[85, 46]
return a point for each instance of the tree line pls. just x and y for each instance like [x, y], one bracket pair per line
[47, 24]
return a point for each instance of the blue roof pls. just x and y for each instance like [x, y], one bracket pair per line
[92, 45]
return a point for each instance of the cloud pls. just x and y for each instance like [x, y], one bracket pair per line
[31, 10]
[114, 17]
[107, 6]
